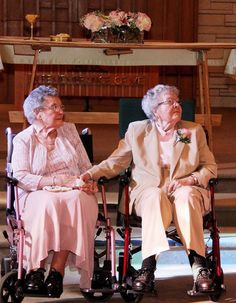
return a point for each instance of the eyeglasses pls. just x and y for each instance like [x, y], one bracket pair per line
[55, 107]
[170, 102]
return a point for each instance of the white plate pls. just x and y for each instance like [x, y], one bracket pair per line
[57, 188]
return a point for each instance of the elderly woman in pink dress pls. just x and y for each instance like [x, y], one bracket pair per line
[59, 218]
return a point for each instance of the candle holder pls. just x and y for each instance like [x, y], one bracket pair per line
[31, 18]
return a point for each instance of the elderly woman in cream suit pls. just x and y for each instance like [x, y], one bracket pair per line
[171, 166]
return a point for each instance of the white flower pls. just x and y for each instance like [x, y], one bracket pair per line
[93, 21]
[143, 22]
[183, 135]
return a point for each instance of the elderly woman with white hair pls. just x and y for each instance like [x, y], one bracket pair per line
[59, 218]
[171, 165]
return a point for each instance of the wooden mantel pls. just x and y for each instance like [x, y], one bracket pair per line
[84, 43]
[20, 50]
[82, 51]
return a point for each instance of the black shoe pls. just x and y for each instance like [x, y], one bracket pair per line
[54, 284]
[34, 281]
[144, 281]
[204, 282]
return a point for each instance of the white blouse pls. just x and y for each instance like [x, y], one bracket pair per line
[166, 141]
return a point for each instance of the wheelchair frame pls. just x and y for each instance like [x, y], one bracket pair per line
[105, 283]
[127, 273]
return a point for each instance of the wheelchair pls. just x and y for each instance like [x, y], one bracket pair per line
[110, 278]
[106, 281]
[12, 288]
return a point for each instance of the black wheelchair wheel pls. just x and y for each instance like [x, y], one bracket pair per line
[10, 292]
[215, 296]
[131, 297]
[101, 285]
[126, 292]
[97, 296]
[219, 287]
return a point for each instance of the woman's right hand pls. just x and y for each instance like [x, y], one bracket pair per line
[85, 177]
[89, 186]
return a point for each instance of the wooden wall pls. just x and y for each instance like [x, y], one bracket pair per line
[172, 20]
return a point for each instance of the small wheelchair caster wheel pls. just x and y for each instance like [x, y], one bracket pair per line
[96, 296]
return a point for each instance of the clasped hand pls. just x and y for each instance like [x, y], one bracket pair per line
[89, 184]
[76, 183]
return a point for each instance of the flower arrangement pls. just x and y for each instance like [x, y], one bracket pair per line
[183, 135]
[117, 23]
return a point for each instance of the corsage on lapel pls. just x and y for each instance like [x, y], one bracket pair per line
[183, 135]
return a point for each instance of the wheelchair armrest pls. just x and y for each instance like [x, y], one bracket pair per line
[102, 180]
[123, 179]
[12, 181]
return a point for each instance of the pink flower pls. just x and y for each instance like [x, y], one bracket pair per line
[96, 20]
[117, 18]
[93, 21]
[143, 22]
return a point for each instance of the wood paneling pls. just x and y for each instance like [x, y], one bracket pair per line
[172, 20]
[87, 81]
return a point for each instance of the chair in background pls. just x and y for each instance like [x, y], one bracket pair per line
[130, 110]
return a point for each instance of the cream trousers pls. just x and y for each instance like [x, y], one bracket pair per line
[184, 208]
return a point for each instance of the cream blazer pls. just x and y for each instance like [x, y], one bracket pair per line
[140, 150]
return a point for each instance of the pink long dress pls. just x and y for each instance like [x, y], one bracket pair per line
[55, 221]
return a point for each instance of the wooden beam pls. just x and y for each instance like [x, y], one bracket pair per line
[104, 118]
[92, 117]
[215, 119]
[75, 117]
